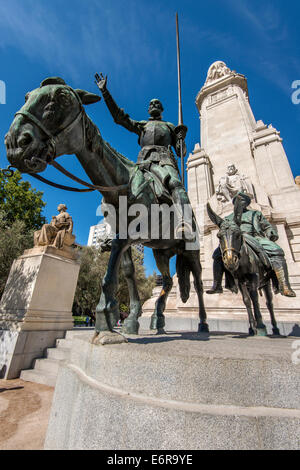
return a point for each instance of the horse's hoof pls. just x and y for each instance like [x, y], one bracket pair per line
[94, 338]
[131, 327]
[276, 332]
[157, 323]
[262, 331]
[158, 331]
[108, 337]
[203, 328]
[252, 332]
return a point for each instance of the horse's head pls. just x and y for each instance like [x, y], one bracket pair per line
[51, 123]
[230, 236]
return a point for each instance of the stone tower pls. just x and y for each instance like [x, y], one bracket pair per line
[230, 135]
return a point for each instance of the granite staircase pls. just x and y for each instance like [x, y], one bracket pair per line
[45, 369]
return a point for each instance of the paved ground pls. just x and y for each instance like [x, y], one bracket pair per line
[24, 414]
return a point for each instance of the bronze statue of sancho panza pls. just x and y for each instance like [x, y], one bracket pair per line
[156, 138]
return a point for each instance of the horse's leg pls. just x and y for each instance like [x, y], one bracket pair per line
[247, 302]
[107, 311]
[261, 328]
[131, 324]
[194, 261]
[162, 258]
[269, 302]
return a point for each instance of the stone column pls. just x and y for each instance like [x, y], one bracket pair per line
[200, 177]
[270, 158]
[36, 307]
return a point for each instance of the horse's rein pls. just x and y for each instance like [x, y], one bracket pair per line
[52, 142]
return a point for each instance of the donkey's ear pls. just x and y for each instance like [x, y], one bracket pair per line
[213, 216]
[238, 211]
[87, 98]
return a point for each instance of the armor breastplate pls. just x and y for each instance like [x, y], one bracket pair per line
[156, 133]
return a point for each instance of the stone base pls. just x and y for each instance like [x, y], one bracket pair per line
[227, 306]
[18, 349]
[177, 392]
[239, 324]
[36, 306]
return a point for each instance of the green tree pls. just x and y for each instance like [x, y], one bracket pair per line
[19, 201]
[92, 270]
[14, 239]
[145, 285]
[20, 214]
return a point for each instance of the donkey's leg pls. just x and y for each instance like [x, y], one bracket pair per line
[131, 324]
[193, 259]
[247, 302]
[261, 328]
[269, 302]
[107, 311]
[162, 258]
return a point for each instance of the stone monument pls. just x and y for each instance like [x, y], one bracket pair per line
[36, 306]
[238, 153]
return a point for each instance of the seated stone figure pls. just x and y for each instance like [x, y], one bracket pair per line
[231, 184]
[261, 236]
[58, 233]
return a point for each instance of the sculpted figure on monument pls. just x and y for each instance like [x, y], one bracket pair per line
[231, 184]
[260, 236]
[156, 138]
[58, 233]
[217, 70]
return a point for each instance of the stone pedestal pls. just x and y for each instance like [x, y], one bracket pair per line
[36, 307]
[177, 392]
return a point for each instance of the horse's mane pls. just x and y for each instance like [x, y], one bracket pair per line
[95, 141]
[228, 223]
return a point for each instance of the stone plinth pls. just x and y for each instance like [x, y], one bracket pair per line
[36, 307]
[177, 391]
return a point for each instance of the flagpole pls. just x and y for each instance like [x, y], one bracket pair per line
[180, 118]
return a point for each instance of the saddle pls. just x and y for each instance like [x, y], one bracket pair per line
[261, 265]
[152, 182]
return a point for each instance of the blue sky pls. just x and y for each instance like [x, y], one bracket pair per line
[134, 43]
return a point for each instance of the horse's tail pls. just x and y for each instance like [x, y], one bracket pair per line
[183, 273]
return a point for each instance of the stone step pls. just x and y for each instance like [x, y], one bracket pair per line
[65, 343]
[38, 376]
[60, 353]
[70, 334]
[47, 365]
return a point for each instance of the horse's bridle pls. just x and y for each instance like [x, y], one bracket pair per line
[51, 159]
[230, 249]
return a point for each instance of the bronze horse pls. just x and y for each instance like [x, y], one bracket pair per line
[246, 268]
[52, 123]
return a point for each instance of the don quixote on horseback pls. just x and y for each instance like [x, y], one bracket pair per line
[52, 123]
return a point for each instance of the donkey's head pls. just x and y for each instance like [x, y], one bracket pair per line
[51, 123]
[230, 235]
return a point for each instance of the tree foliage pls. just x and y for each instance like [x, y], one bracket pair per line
[14, 239]
[92, 271]
[20, 214]
[19, 201]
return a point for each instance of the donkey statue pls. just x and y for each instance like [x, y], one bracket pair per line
[246, 266]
